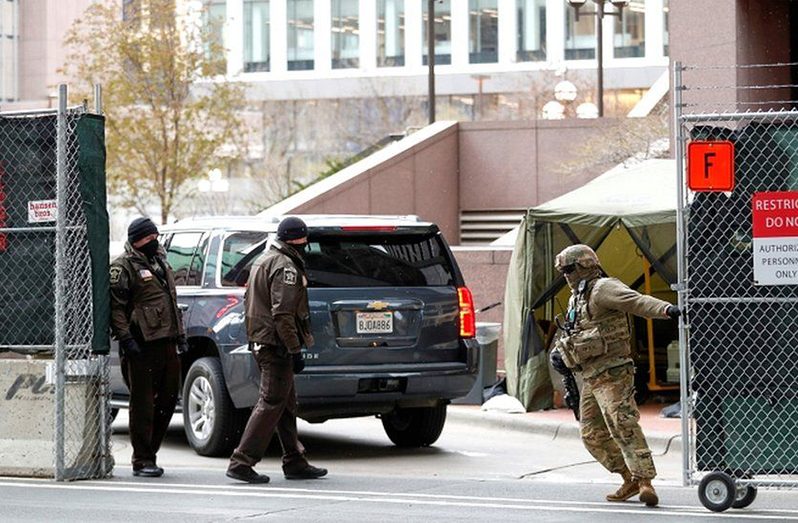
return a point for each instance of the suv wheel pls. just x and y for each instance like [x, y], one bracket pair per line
[212, 423]
[418, 427]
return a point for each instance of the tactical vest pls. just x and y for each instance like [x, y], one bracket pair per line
[595, 344]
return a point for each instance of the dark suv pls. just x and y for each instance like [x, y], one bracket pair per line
[392, 320]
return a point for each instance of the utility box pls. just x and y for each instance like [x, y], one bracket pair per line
[488, 338]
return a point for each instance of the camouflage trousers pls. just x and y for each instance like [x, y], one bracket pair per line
[610, 423]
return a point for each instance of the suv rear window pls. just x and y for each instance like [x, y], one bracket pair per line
[409, 260]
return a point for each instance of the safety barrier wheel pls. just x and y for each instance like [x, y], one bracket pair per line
[746, 494]
[717, 491]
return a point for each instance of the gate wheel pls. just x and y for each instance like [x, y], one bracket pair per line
[746, 494]
[717, 491]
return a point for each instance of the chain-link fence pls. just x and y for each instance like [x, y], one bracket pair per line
[54, 290]
[738, 277]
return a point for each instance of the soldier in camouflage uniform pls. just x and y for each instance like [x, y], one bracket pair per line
[597, 344]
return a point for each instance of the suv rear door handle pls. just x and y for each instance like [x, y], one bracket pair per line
[182, 306]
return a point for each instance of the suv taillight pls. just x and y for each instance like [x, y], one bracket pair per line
[468, 321]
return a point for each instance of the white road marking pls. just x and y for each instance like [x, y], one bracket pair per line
[469, 454]
[394, 498]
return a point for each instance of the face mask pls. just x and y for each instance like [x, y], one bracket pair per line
[580, 274]
[150, 248]
[301, 248]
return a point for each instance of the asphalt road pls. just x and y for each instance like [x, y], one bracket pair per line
[473, 473]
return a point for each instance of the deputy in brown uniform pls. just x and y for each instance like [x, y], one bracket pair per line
[278, 325]
[147, 323]
[596, 343]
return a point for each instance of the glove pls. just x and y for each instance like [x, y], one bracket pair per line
[182, 344]
[298, 362]
[128, 347]
[673, 312]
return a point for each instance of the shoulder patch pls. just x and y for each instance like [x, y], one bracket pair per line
[289, 276]
[116, 273]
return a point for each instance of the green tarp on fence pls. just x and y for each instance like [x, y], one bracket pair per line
[27, 246]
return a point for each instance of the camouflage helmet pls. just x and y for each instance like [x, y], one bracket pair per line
[578, 254]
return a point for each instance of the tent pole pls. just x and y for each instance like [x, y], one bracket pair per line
[652, 370]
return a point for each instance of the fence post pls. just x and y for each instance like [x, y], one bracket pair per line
[60, 302]
[98, 99]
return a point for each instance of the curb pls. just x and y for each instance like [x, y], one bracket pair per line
[660, 442]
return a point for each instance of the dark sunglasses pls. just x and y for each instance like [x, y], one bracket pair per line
[568, 269]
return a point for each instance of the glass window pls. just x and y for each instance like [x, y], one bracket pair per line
[483, 38]
[131, 10]
[531, 30]
[443, 32]
[665, 28]
[380, 261]
[629, 36]
[213, 17]
[580, 36]
[256, 35]
[300, 35]
[186, 256]
[239, 250]
[345, 34]
[390, 33]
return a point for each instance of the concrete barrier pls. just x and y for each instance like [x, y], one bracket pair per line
[27, 418]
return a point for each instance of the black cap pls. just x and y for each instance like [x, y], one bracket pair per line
[139, 228]
[291, 228]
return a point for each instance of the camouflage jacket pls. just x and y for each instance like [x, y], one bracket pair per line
[599, 336]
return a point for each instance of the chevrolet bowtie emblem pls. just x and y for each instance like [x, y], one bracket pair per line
[377, 305]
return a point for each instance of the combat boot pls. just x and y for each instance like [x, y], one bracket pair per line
[629, 488]
[647, 493]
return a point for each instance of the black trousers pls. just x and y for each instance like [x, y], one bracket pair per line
[153, 379]
[276, 409]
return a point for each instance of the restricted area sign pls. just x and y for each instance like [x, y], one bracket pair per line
[710, 166]
[775, 227]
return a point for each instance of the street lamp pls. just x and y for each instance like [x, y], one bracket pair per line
[599, 12]
[431, 59]
[565, 93]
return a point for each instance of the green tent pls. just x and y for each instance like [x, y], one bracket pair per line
[628, 215]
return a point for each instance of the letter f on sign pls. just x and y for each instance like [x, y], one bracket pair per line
[708, 163]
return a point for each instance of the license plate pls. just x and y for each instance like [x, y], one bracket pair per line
[374, 322]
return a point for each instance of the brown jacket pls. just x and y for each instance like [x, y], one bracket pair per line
[276, 300]
[143, 304]
[600, 338]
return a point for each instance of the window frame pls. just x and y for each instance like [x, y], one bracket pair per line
[167, 244]
[220, 254]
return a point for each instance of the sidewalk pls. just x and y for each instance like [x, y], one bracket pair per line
[663, 434]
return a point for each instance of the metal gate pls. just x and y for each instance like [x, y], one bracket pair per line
[52, 262]
[738, 281]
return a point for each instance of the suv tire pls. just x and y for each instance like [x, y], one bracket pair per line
[212, 423]
[416, 427]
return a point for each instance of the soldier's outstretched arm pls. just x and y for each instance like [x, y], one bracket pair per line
[613, 294]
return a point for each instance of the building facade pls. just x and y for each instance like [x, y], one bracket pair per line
[306, 49]
[9, 50]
